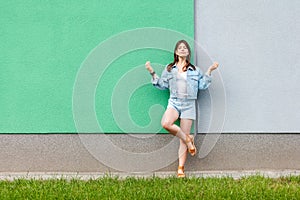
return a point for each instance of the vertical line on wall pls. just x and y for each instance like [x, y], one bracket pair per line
[195, 62]
[195, 33]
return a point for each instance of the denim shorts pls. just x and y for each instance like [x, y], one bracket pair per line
[185, 107]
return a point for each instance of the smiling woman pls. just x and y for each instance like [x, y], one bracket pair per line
[183, 80]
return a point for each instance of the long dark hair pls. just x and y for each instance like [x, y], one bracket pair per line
[176, 59]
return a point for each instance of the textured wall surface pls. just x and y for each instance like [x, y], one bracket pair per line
[226, 34]
[257, 45]
[66, 153]
[44, 44]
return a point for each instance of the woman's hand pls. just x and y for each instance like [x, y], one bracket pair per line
[148, 67]
[214, 66]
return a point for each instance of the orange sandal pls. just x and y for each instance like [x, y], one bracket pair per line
[192, 150]
[180, 174]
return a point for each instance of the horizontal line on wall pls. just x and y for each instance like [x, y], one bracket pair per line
[226, 133]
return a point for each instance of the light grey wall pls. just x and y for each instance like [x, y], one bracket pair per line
[257, 45]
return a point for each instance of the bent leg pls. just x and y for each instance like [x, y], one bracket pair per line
[168, 119]
[167, 122]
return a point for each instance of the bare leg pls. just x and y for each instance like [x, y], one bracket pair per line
[185, 125]
[170, 116]
[167, 122]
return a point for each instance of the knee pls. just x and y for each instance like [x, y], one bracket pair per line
[166, 125]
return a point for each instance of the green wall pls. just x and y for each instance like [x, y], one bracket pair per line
[44, 44]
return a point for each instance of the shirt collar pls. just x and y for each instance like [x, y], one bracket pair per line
[189, 67]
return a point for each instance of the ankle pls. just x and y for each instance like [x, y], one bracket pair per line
[181, 167]
[188, 140]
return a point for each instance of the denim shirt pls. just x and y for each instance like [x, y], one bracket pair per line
[195, 81]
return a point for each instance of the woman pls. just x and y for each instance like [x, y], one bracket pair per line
[183, 80]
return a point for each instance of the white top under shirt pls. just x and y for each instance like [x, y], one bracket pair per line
[182, 84]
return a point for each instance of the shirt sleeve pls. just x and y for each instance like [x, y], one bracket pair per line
[162, 82]
[204, 81]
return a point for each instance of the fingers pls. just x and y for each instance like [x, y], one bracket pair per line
[212, 67]
[148, 66]
[216, 64]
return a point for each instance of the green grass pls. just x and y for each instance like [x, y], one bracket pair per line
[254, 187]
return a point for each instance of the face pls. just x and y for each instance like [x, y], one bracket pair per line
[182, 50]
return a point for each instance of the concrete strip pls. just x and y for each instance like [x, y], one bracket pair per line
[92, 176]
[66, 153]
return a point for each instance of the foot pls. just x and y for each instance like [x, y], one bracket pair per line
[191, 145]
[180, 172]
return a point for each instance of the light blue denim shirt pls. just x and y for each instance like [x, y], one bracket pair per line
[195, 81]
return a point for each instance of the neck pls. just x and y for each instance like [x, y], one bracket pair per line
[181, 61]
